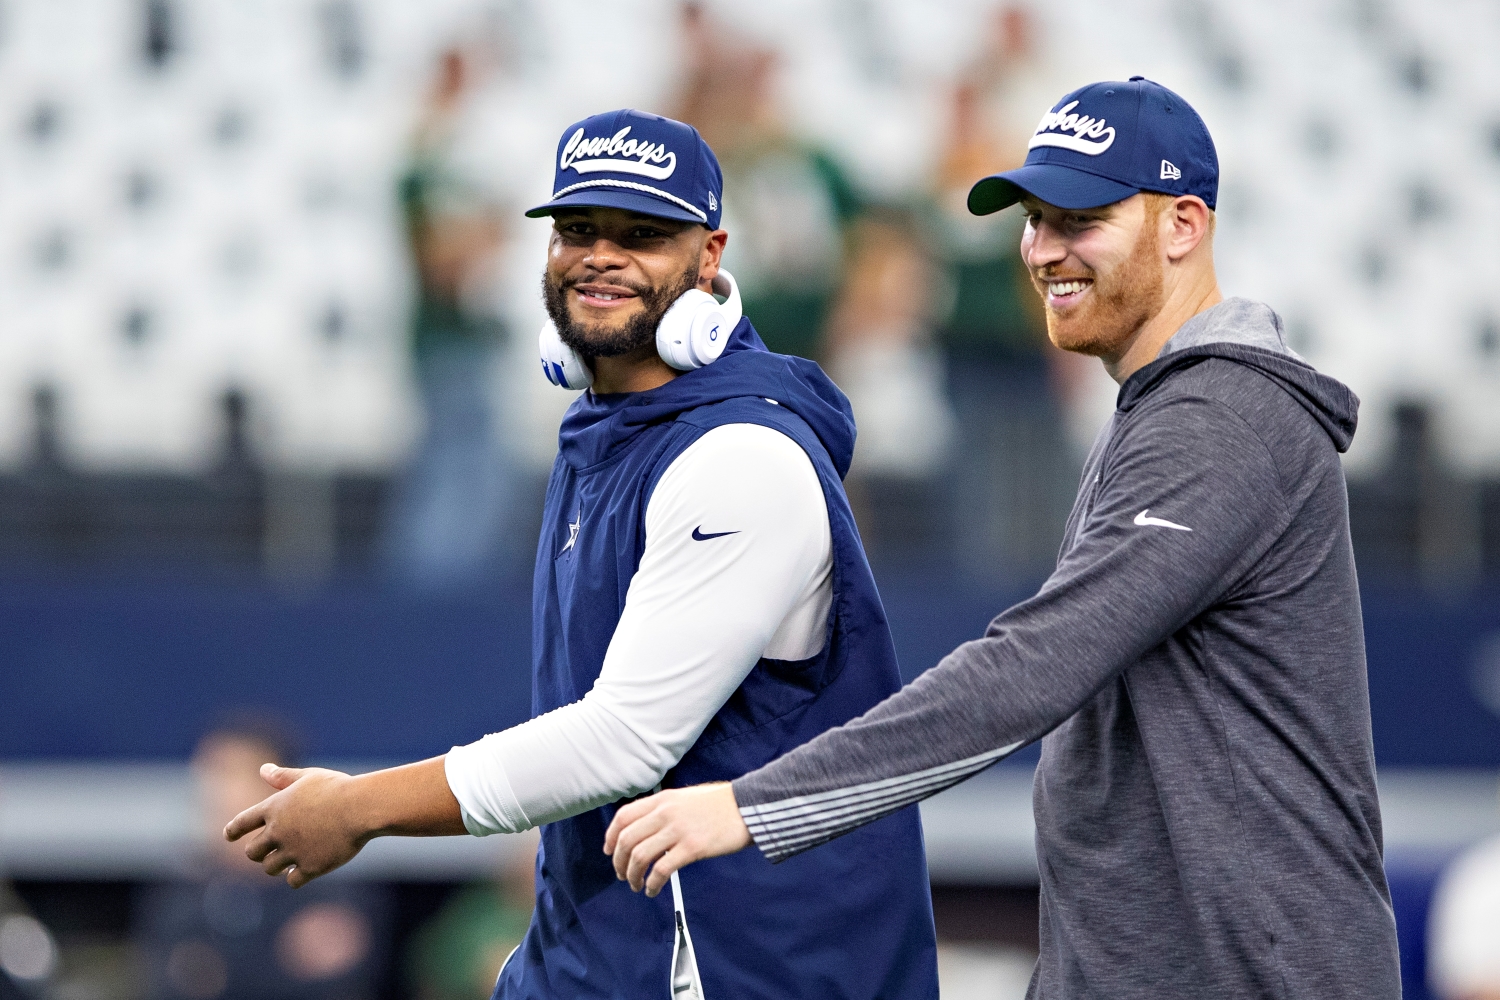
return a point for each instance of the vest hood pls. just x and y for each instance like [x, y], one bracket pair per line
[598, 425]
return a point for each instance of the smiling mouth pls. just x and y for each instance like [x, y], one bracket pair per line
[1061, 294]
[603, 298]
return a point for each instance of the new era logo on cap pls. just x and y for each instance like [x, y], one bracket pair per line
[638, 162]
[1105, 142]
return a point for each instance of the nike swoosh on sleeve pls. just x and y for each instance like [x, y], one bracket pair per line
[1157, 522]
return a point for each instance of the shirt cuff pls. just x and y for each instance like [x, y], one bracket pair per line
[477, 778]
[763, 836]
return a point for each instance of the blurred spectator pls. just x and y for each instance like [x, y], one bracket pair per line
[457, 955]
[225, 931]
[1015, 473]
[448, 518]
[1463, 939]
[787, 203]
[994, 107]
[880, 352]
[994, 313]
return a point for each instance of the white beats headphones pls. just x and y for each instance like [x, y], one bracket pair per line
[691, 334]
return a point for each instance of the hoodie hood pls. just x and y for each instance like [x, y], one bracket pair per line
[1250, 333]
[597, 426]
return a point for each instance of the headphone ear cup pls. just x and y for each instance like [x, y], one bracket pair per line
[560, 363]
[693, 331]
[710, 332]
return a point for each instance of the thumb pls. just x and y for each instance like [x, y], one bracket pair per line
[279, 777]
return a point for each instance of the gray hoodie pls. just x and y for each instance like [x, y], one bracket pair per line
[1207, 824]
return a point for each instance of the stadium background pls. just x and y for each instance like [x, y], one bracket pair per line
[272, 438]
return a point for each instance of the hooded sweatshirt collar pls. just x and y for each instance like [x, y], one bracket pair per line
[1234, 321]
[1251, 334]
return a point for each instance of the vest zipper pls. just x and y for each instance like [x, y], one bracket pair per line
[686, 984]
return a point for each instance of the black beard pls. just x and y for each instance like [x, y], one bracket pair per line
[592, 341]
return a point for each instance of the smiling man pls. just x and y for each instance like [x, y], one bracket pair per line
[1206, 813]
[701, 605]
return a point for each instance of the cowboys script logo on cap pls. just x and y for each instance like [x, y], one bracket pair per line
[1090, 136]
[617, 154]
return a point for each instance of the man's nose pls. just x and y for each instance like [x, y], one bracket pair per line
[605, 255]
[1042, 246]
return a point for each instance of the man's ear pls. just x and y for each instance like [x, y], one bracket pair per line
[709, 260]
[1187, 222]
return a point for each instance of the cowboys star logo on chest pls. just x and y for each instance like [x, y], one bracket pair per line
[573, 527]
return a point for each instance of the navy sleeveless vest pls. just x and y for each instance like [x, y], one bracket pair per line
[850, 919]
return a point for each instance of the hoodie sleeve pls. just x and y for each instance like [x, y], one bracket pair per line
[1188, 502]
[738, 564]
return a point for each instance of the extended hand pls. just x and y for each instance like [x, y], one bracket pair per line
[673, 829]
[304, 830]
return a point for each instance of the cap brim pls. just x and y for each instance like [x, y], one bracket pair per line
[1052, 183]
[630, 201]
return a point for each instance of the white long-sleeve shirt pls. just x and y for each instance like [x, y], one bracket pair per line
[738, 565]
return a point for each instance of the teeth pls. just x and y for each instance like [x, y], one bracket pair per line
[1066, 287]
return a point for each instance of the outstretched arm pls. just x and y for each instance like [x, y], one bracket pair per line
[319, 819]
[1191, 501]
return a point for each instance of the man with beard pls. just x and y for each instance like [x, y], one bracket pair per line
[701, 605]
[1206, 813]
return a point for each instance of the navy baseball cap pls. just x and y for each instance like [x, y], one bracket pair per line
[639, 162]
[1105, 142]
